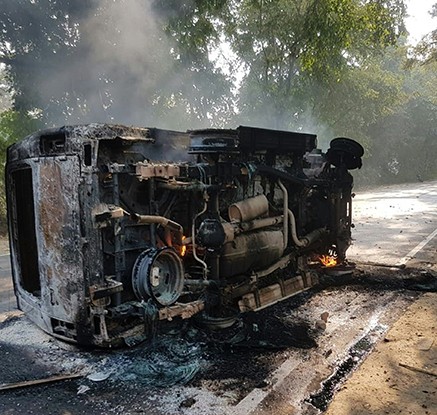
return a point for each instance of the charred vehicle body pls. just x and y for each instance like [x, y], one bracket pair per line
[115, 229]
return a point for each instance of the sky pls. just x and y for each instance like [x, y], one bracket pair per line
[420, 22]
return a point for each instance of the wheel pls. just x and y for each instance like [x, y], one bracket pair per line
[158, 274]
[345, 151]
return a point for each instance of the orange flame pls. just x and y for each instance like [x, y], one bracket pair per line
[328, 260]
[183, 247]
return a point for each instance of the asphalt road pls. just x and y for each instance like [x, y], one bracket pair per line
[396, 225]
[7, 297]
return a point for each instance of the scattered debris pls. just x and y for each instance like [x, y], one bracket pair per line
[425, 344]
[321, 325]
[27, 383]
[380, 264]
[418, 369]
[328, 353]
[187, 403]
[324, 316]
[82, 389]
[99, 376]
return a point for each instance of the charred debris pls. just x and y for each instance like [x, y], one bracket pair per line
[115, 230]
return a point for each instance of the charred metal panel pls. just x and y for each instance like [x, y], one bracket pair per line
[57, 269]
[57, 222]
[122, 228]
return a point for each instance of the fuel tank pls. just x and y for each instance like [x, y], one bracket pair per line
[255, 250]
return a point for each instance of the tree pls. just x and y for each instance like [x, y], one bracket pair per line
[5, 94]
[404, 141]
[409, 133]
[292, 50]
[13, 126]
[426, 49]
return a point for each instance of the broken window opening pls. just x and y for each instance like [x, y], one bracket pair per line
[26, 245]
[87, 153]
[52, 144]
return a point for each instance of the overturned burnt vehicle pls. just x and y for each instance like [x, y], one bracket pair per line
[115, 230]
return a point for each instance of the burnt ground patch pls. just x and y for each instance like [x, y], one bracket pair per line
[356, 354]
[238, 359]
[384, 278]
[22, 364]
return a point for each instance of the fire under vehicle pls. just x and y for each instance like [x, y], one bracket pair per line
[115, 229]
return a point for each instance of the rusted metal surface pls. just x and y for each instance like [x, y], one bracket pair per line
[117, 229]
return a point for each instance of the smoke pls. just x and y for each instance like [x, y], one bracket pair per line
[124, 68]
[128, 56]
[113, 62]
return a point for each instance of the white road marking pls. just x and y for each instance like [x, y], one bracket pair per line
[417, 248]
[256, 396]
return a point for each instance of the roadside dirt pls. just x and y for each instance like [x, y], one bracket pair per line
[392, 380]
